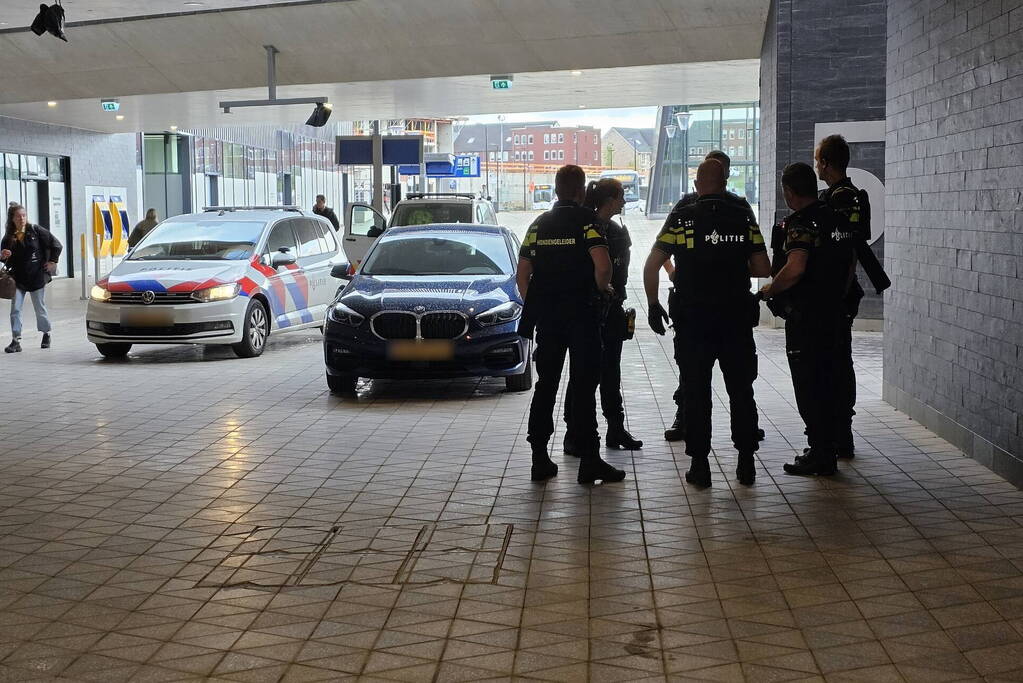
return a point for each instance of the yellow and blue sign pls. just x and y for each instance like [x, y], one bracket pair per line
[102, 224]
[120, 226]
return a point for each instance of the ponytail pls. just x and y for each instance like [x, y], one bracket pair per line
[599, 192]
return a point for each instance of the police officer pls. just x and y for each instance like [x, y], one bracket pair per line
[814, 279]
[564, 276]
[677, 430]
[717, 247]
[606, 197]
[853, 207]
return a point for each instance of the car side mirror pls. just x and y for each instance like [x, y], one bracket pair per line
[340, 270]
[281, 258]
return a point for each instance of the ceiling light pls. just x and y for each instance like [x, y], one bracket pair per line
[320, 114]
[119, 117]
[173, 127]
[50, 20]
[193, 4]
[51, 103]
[582, 106]
[576, 72]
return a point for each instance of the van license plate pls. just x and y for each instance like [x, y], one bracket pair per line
[424, 350]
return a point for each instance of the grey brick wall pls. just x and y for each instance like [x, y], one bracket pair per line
[822, 61]
[954, 331]
[96, 159]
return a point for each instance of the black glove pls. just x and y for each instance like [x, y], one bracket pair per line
[656, 317]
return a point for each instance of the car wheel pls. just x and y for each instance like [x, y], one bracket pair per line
[113, 349]
[255, 331]
[342, 385]
[523, 382]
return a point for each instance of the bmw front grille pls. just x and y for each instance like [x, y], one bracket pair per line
[433, 325]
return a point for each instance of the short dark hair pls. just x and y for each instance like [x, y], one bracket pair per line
[320, 196]
[569, 181]
[800, 179]
[834, 150]
[718, 155]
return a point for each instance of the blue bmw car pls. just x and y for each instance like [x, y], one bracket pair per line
[430, 301]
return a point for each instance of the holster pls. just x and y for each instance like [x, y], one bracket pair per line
[872, 267]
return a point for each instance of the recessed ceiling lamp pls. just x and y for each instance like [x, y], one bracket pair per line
[576, 72]
[193, 4]
[51, 104]
[582, 106]
[173, 127]
[119, 117]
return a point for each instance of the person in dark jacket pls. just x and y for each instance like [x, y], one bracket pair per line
[30, 252]
[143, 228]
[321, 209]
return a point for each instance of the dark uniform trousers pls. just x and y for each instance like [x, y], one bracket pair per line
[580, 338]
[814, 346]
[845, 381]
[706, 335]
[611, 403]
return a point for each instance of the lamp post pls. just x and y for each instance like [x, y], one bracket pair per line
[500, 158]
[682, 119]
[635, 155]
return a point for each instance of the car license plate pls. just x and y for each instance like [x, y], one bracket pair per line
[424, 350]
[147, 318]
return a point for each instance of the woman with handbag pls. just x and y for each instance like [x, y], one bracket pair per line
[30, 252]
[606, 197]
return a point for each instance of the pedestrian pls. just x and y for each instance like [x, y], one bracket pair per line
[31, 253]
[677, 430]
[852, 205]
[717, 247]
[320, 208]
[564, 278]
[814, 280]
[606, 197]
[143, 228]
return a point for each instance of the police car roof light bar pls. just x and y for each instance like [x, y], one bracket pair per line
[421, 195]
[279, 207]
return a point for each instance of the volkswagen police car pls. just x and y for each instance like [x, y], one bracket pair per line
[229, 275]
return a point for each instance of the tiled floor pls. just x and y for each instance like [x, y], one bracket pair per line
[186, 515]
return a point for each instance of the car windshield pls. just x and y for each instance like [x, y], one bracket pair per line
[440, 254]
[433, 212]
[207, 240]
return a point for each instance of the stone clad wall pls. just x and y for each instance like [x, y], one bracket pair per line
[954, 330]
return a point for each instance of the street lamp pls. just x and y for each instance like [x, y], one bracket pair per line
[500, 158]
[635, 155]
[682, 119]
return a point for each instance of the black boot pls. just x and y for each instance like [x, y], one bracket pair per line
[746, 470]
[13, 347]
[677, 430]
[568, 445]
[46, 341]
[593, 468]
[759, 434]
[844, 447]
[814, 461]
[543, 467]
[699, 472]
[619, 437]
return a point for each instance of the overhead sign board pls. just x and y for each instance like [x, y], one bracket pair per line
[463, 166]
[357, 150]
[502, 82]
[110, 105]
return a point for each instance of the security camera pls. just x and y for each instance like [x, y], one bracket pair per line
[50, 20]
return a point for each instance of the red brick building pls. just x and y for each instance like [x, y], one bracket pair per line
[558, 145]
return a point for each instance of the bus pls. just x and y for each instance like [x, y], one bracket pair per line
[634, 189]
[543, 197]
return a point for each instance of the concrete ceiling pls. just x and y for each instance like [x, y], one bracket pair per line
[20, 13]
[381, 58]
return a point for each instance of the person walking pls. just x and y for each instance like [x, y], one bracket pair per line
[143, 228]
[31, 253]
[717, 247]
[320, 208]
[564, 275]
[606, 197]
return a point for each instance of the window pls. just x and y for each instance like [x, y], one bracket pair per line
[742, 133]
[504, 156]
[530, 142]
[491, 156]
[561, 154]
[595, 141]
[546, 155]
[575, 137]
[282, 239]
[517, 155]
[328, 240]
[308, 238]
[546, 139]
[596, 155]
[530, 155]
[516, 139]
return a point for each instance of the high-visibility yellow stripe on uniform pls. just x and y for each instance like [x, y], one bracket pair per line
[754, 236]
[530, 239]
[854, 217]
[592, 234]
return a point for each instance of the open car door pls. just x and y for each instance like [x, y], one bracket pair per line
[363, 224]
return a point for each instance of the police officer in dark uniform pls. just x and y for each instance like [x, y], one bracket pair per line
[814, 280]
[564, 276]
[606, 197]
[677, 430]
[717, 247]
[853, 207]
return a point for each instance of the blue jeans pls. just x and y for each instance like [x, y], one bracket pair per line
[38, 303]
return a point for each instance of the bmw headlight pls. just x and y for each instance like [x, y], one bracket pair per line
[99, 294]
[339, 313]
[218, 293]
[505, 313]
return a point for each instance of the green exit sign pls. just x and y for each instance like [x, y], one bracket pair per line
[110, 105]
[501, 82]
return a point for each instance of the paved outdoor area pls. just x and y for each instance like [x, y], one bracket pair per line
[187, 515]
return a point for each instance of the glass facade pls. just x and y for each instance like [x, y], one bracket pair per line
[731, 128]
[185, 172]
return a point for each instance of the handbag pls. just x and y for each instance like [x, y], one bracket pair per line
[7, 284]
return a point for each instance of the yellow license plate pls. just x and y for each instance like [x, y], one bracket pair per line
[425, 350]
[147, 318]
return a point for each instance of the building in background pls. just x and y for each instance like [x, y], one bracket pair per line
[683, 141]
[554, 144]
[629, 148]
